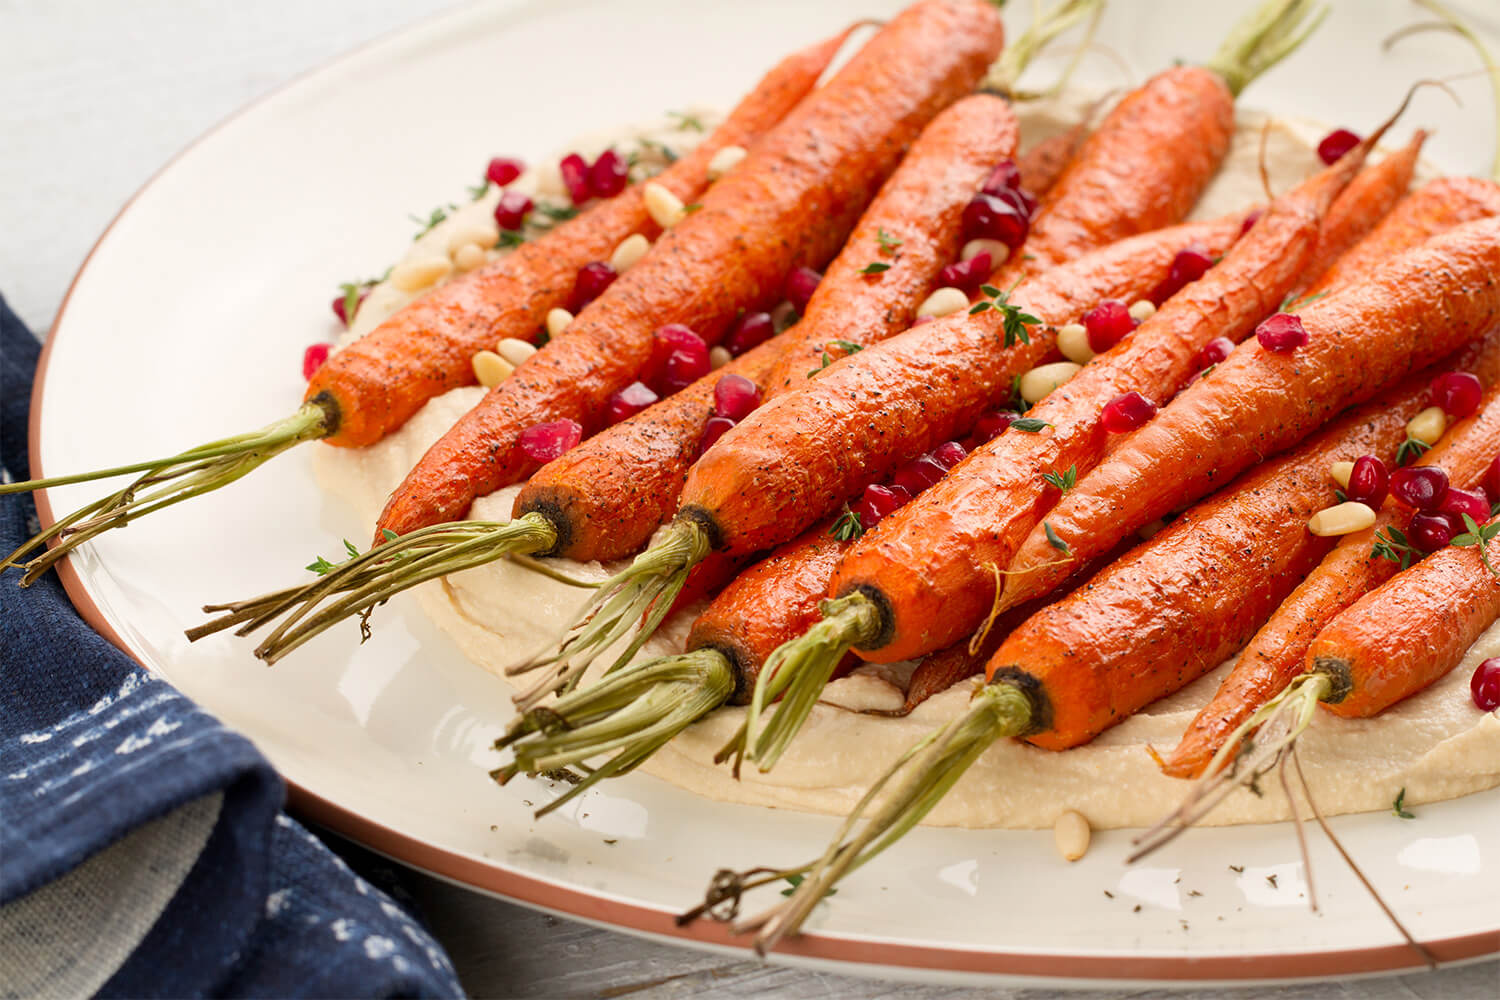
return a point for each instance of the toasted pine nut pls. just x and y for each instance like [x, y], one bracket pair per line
[1341, 471]
[415, 275]
[719, 356]
[998, 251]
[483, 232]
[1071, 834]
[491, 369]
[1342, 519]
[631, 249]
[468, 256]
[1041, 380]
[724, 161]
[943, 301]
[664, 207]
[514, 350]
[558, 321]
[1073, 341]
[1428, 426]
[1142, 310]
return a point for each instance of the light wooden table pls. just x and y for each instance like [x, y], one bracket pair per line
[95, 95]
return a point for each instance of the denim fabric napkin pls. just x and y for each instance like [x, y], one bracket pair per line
[143, 850]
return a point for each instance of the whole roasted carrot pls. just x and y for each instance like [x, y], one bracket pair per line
[373, 386]
[1278, 651]
[791, 202]
[1421, 306]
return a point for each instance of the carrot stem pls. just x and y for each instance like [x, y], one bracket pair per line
[1452, 22]
[1264, 37]
[192, 473]
[1048, 25]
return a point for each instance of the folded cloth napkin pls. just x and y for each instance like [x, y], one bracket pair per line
[143, 850]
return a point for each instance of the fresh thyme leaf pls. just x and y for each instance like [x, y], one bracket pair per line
[686, 121]
[847, 527]
[667, 152]
[434, 217]
[1015, 321]
[320, 566]
[1398, 807]
[888, 243]
[1411, 449]
[1340, 495]
[990, 290]
[983, 305]
[847, 346]
[875, 267]
[1391, 544]
[1030, 425]
[350, 548]
[1064, 481]
[1052, 539]
[691, 207]
[352, 291]
[510, 238]
[557, 213]
[388, 534]
[479, 190]
[1478, 537]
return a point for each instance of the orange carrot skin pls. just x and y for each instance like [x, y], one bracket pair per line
[1409, 632]
[799, 456]
[381, 380]
[1420, 307]
[607, 496]
[1044, 162]
[1142, 168]
[1278, 651]
[790, 203]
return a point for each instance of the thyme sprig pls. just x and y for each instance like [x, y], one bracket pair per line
[1015, 321]
[1478, 536]
[1391, 543]
[1411, 449]
[1064, 481]
[847, 346]
[1398, 807]
[847, 527]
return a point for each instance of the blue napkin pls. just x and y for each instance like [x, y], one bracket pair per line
[143, 850]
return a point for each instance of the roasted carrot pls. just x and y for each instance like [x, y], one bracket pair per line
[373, 386]
[1279, 649]
[1044, 162]
[791, 202]
[1421, 306]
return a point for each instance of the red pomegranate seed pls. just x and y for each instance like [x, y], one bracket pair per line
[750, 330]
[1485, 684]
[1126, 413]
[510, 212]
[1251, 220]
[544, 442]
[1107, 324]
[1028, 203]
[877, 503]
[1430, 532]
[800, 285]
[715, 428]
[735, 397]
[627, 402]
[966, 274]
[948, 454]
[1492, 480]
[575, 175]
[1458, 393]
[1215, 352]
[313, 358]
[997, 217]
[672, 338]
[503, 169]
[1335, 144]
[609, 174]
[1282, 333]
[1191, 263]
[1470, 502]
[990, 425]
[1005, 177]
[1369, 482]
[914, 477]
[1420, 486]
[591, 282]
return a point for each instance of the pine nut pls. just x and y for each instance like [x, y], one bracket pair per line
[484, 233]
[415, 275]
[1073, 341]
[1341, 471]
[1038, 383]
[719, 356]
[515, 351]
[631, 249]
[943, 301]
[468, 256]
[998, 251]
[664, 207]
[1071, 833]
[491, 369]
[1342, 519]
[1428, 426]
[1142, 310]
[558, 321]
[724, 161]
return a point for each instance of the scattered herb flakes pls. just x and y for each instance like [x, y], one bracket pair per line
[1184, 923]
[1029, 425]
[1194, 892]
[1271, 879]
[1054, 541]
[1411, 449]
[1398, 808]
[686, 121]
[888, 243]
[610, 842]
[1064, 481]
[875, 267]
[1137, 908]
[1109, 894]
[848, 527]
[1237, 869]
[494, 828]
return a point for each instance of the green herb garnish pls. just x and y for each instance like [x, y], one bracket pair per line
[875, 267]
[847, 346]
[687, 121]
[1054, 541]
[1064, 481]
[1028, 425]
[796, 880]
[434, 217]
[1398, 807]
[1015, 320]
[1391, 543]
[848, 527]
[888, 243]
[1410, 450]
[1478, 536]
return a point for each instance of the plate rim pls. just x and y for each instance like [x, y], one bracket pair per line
[846, 953]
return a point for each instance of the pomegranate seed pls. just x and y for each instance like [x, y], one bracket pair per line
[627, 402]
[997, 218]
[990, 425]
[948, 454]
[800, 285]
[575, 175]
[339, 310]
[683, 368]
[502, 170]
[1190, 264]
[1251, 220]
[609, 174]
[1430, 532]
[1471, 502]
[1005, 177]
[1457, 393]
[1369, 482]
[544, 442]
[1335, 144]
[879, 502]
[591, 282]
[1282, 333]
[966, 274]
[735, 397]
[1420, 486]
[511, 211]
[914, 477]
[750, 330]
[668, 340]
[313, 358]
[1492, 480]
[715, 428]
[1126, 413]
[1107, 324]
[1485, 684]
[1215, 352]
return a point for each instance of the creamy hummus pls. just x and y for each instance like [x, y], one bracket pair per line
[1436, 745]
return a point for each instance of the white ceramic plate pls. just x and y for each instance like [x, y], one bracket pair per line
[188, 320]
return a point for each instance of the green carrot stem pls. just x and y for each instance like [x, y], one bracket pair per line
[1048, 25]
[1264, 37]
